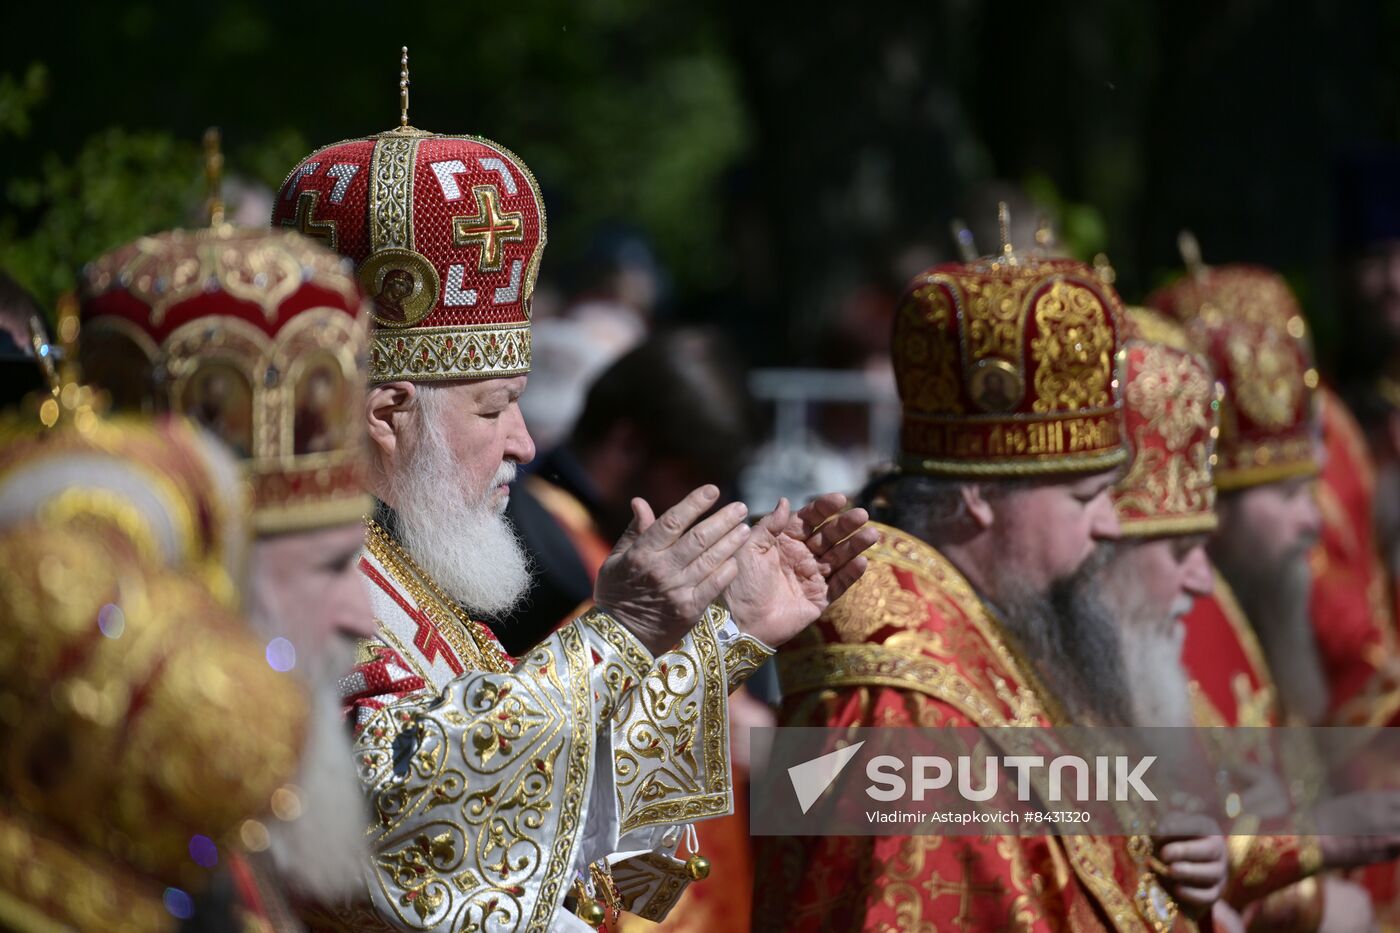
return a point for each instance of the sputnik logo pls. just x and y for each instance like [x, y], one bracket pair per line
[811, 778]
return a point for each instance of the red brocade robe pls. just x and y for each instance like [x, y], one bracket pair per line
[1351, 603]
[911, 644]
[1231, 685]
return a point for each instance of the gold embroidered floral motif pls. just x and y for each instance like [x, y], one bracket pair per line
[1074, 352]
[1268, 376]
[426, 354]
[391, 192]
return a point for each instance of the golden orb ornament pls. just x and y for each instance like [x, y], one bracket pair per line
[592, 913]
[698, 866]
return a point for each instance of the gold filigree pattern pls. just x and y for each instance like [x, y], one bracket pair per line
[1074, 352]
[672, 762]
[930, 380]
[742, 657]
[391, 192]
[649, 885]
[426, 354]
[480, 794]
[1271, 380]
[966, 335]
[1248, 322]
[459, 839]
[1171, 406]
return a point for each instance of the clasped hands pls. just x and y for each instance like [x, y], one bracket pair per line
[777, 576]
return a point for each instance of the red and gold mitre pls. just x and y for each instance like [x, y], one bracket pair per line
[143, 726]
[1247, 322]
[1005, 367]
[257, 336]
[446, 233]
[1171, 413]
[161, 486]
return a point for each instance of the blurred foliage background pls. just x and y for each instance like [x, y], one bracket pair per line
[791, 164]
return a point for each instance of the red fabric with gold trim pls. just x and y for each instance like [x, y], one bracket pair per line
[1246, 320]
[1171, 414]
[911, 645]
[446, 233]
[259, 337]
[1006, 367]
[1350, 602]
[1231, 685]
[1230, 681]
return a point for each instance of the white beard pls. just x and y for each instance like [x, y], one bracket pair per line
[461, 539]
[323, 853]
[1152, 657]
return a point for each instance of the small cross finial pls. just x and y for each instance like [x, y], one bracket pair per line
[1190, 250]
[1004, 222]
[1104, 269]
[403, 88]
[214, 175]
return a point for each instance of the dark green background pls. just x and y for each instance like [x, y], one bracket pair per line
[780, 156]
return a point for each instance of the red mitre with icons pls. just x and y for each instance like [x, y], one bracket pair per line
[257, 336]
[1171, 413]
[1006, 367]
[446, 233]
[1248, 323]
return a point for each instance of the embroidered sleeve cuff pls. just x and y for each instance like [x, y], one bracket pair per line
[612, 637]
[743, 654]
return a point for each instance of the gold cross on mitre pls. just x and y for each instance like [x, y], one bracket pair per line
[491, 227]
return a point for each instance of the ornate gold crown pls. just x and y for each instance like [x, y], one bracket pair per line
[118, 682]
[1171, 413]
[1247, 322]
[257, 336]
[1005, 367]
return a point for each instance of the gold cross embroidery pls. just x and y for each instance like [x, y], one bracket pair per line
[304, 221]
[491, 227]
[937, 887]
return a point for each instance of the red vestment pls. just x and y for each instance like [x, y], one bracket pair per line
[1231, 685]
[911, 644]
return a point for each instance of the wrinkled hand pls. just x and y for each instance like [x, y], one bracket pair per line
[1196, 861]
[1342, 821]
[663, 572]
[795, 565]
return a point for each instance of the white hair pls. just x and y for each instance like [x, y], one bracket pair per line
[322, 852]
[459, 536]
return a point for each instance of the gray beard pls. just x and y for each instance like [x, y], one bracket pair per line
[1072, 640]
[1275, 600]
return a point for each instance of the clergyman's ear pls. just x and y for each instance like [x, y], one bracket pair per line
[381, 404]
[978, 506]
